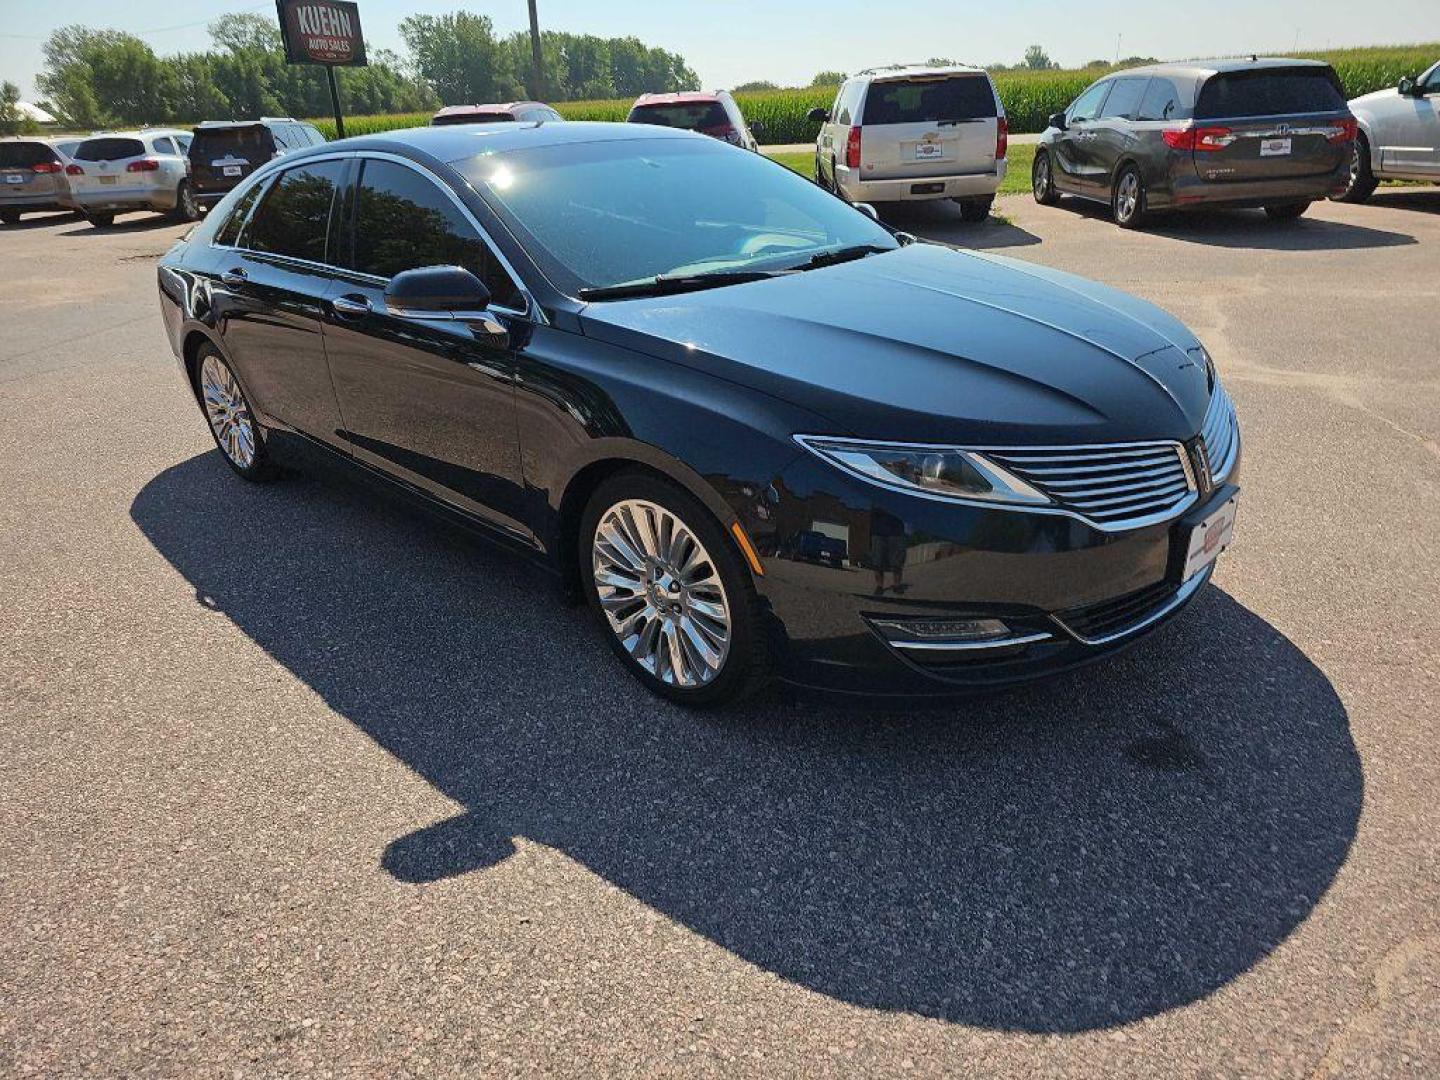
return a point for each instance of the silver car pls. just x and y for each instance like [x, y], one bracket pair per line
[1399, 135]
[32, 176]
[123, 171]
[916, 132]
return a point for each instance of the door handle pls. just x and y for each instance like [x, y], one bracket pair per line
[350, 306]
[234, 276]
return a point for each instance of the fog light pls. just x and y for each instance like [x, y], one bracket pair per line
[942, 629]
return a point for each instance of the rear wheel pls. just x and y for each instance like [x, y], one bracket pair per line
[1127, 201]
[100, 221]
[678, 605]
[9, 217]
[1287, 211]
[185, 208]
[239, 436]
[975, 210]
[1361, 183]
[1042, 180]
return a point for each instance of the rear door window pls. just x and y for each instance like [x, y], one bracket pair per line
[164, 145]
[1269, 92]
[109, 149]
[403, 222]
[294, 217]
[25, 155]
[1124, 100]
[1163, 101]
[918, 101]
[229, 233]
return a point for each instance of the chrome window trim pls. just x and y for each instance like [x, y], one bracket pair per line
[265, 175]
[1127, 525]
[1186, 590]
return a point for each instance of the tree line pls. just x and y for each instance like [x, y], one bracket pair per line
[104, 78]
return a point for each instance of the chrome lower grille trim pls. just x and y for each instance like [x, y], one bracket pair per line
[1111, 620]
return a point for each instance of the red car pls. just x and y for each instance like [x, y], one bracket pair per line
[497, 113]
[714, 114]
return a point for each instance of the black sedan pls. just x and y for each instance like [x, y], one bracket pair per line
[664, 367]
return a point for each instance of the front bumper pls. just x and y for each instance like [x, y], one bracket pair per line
[1070, 594]
[915, 188]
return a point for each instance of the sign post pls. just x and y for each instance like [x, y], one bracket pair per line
[324, 32]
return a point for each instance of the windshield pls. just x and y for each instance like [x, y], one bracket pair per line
[252, 143]
[113, 149]
[1270, 92]
[24, 155]
[691, 115]
[601, 214]
[472, 118]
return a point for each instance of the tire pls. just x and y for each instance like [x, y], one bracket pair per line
[1287, 211]
[1127, 199]
[975, 210]
[10, 217]
[100, 221]
[185, 208]
[1362, 182]
[238, 435]
[621, 533]
[1043, 186]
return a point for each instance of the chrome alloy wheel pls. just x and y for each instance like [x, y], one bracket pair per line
[227, 411]
[661, 593]
[1040, 180]
[1127, 198]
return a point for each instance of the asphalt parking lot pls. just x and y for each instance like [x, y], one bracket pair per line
[296, 779]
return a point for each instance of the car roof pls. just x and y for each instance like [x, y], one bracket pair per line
[498, 106]
[910, 71]
[136, 133]
[228, 125]
[680, 97]
[1206, 68]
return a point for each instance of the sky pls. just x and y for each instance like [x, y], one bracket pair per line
[788, 41]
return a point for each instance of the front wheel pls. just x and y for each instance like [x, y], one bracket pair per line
[1042, 180]
[678, 605]
[1127, 203]
[975, 210]
[239, 436]
[1287, 211]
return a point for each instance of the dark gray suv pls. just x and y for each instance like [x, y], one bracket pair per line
[1232, 133]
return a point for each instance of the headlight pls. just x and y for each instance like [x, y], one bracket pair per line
[940, 472]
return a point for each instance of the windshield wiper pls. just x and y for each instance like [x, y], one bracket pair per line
[839, 255]
[666, 284]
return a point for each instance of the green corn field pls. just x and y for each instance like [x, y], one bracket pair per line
[1029, 97]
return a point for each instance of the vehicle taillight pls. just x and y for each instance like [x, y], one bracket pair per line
[143, 165]
[1345, 131]
[1199, 139]
[46, 167]
[74, 170]
[852, 149]
[1002, 138]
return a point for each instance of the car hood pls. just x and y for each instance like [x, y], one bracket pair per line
[930, 344]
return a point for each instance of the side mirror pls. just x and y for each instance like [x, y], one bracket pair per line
[442, 292]
[1406, 86]
[820, 116]
[866, 208]
[1057, 121]
[757, 127]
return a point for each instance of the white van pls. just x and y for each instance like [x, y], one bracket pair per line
[903, 133]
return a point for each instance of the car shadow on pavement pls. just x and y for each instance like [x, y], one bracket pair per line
[940, 220]
[43, 220]
[1426, 199]
[1076, 855]
[135, 224]
[1253, 229]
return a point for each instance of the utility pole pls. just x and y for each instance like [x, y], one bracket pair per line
[537, 68]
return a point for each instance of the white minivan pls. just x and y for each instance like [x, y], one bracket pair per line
[903, 133]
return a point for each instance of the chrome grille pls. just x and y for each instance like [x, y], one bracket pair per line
[1221, 434]
[1120, 486]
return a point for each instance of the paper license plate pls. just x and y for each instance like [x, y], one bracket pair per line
[231, 170]
[1274, 147]
[107, 179]
[928, 150]
[1210, 538]
[14, 178]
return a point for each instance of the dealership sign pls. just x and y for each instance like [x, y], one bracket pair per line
[321, 32]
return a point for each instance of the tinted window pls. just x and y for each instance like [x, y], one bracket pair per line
[967, 97]
[314, 134]
[184, 141]
[472, 118]
[403, 222]
[1087, 105]
[1274, 92]
[164, 146]
[251, 143]
[622, 211]
[68, 148]
[23, 155]
[692, 115]
[1432, 84]
[844, 112]
[1124, 101]
[108, 149]
[294, 215]
[229, 232]
[1162, 101]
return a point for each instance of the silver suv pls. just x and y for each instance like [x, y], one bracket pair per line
[120, 171]
[903, 133]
